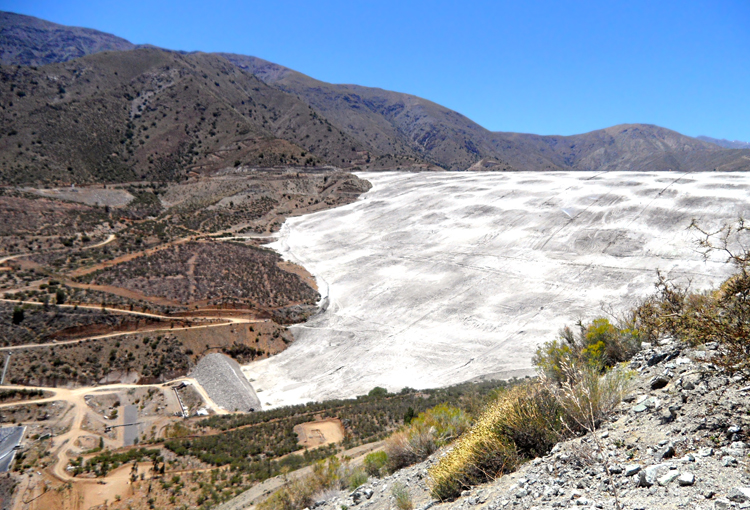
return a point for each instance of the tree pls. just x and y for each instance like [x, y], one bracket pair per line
[18, 315]
[409, 415]
[60, 296]
[378, 392]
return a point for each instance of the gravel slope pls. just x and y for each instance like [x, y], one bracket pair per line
[680, 441]
[222, 379]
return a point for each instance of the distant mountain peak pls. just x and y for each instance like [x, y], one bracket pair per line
[30, 41]
[723, 142]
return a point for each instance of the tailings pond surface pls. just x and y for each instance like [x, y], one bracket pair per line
[433, 279]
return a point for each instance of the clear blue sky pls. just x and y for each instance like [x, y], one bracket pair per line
[548, 67]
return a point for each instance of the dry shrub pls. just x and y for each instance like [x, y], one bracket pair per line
[721, 315]
[402, 497]
[426, 433]
[587, 397]
[525, 422]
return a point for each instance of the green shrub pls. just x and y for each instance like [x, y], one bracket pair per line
[18, 315]
[426, 433]
[378, 392]
[357, 478]
[599, 345]
[375, 462]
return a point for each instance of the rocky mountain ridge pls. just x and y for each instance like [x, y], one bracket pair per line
[29, 41]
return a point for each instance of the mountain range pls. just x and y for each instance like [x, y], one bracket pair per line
[78, 105]
[723, 142]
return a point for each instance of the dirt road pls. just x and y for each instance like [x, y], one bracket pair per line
[223, 322]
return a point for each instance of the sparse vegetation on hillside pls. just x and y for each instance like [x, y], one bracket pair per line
[149, 357]
[263, 444]
[423, 435]
[218, 272]
[26, 324]
[156, 115]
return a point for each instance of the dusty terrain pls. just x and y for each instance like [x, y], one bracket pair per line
[210, 273]
[319, 433]
[112, 291]
[432, 279]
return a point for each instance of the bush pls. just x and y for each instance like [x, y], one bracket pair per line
[598, 345]
[328, 474]
[426, 433]
[401, 495]
[587, 396]
[721, 315]
[18, 315]
[375, 463]
[357, 478]
[299, 493]
[378, 392]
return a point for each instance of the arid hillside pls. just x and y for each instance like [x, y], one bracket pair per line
[156, 115]
[394, 124]
[159, 114]
[30, 41]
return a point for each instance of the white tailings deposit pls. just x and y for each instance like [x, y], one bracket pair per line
[433, 279]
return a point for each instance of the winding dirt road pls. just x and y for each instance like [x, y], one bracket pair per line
[224, 320]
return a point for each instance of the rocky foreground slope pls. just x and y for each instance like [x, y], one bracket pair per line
[679, 440]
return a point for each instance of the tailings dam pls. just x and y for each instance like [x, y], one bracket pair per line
[433, 279]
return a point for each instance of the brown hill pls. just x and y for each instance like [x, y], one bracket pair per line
[400, 124]
[29, 41]
[153, 114]
[389, 124]
[623, 147]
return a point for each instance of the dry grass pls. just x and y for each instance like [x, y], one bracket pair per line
[525, 422]
[526, 413]
[402, 497]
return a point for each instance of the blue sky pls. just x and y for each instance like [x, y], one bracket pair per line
[548, 67]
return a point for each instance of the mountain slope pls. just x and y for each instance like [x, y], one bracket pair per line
[264, 107]
[29, 41]
[723, 142]
[627, 147]
[386, 121]
[153, 114]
